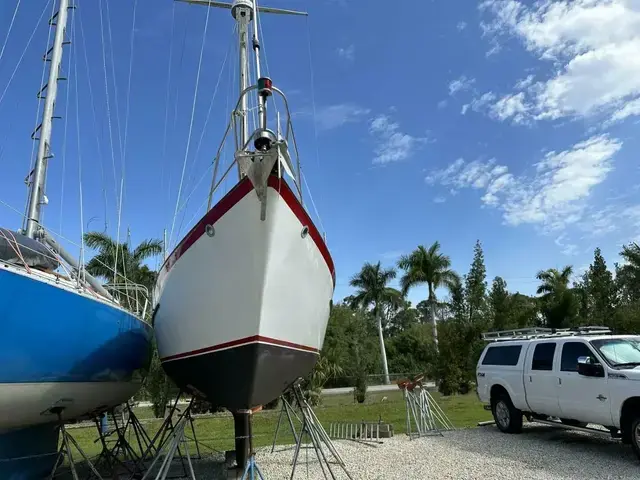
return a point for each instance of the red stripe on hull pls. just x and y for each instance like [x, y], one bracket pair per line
[237, 193]
[240, 342]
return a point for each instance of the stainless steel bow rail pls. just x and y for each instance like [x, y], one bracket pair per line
[423, 412]
[531, 333]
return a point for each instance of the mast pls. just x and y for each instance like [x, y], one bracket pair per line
[244, 12]
[37, 185]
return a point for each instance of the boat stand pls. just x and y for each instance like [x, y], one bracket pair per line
[423, 411]
[174, 440]
[287, 410]
[65, 451]
[122, 454]
[312, 427]
[170, 437]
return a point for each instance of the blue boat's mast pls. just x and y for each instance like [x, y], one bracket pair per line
[43, 131]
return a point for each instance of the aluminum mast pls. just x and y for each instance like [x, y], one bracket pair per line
[37, 184]
[243, 11]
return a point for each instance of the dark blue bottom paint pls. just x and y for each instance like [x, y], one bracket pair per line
[34, 450]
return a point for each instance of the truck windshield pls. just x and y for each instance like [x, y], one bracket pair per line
[620, 352]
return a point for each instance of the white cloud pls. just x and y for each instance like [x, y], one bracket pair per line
[478, 104]
[593, 46]
[461, 25]
[552, 197]
[566, 248]
[393, 145]
[348, 53]
[439, 200]
[460, 84]
[335, 116]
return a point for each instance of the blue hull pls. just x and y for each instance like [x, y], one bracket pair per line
[35, 451]
[51, 335]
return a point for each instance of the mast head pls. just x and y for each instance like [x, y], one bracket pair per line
[242, 7]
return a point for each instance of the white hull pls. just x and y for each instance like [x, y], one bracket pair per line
[26, 403]
[253, 281]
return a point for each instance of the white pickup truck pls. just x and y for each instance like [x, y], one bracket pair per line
[578, 377]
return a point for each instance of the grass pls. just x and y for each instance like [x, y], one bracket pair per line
[216, 432]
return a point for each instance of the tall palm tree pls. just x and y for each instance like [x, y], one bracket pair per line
[557, 297]
[129, 268]
[431, 267]
[373, 291]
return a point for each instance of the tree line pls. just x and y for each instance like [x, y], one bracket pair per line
[376, 330]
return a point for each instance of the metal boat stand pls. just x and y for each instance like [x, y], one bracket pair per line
[287, 410]
[122, 454]
[65, 451]
[312, 427]
[170, 437]
[423, 411]
[171, 446]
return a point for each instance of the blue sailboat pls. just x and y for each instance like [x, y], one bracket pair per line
[68, 347]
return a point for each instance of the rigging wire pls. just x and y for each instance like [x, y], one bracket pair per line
[35, 29]
[44, 69]
[193, 111]
[95, 121]
[175, 106]
[124, 147]
[81, 273]
[73, 51]
[168, 97]
[313, 94]
[213, 97]
[6, 39]
[108, 106]
[115, 83]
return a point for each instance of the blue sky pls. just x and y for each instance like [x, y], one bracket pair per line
[503, 121]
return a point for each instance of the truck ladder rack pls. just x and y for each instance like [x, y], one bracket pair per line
[541, 332]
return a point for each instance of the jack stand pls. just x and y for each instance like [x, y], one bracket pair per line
[172, 446]
[288, 410]
[65, 450]
[251, 470]
[163, 437]
[122, 447]
[313, 428]
[422, 410]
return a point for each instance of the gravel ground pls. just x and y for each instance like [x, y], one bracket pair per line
[540, 452]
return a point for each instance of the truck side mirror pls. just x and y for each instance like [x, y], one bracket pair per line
[587, 368]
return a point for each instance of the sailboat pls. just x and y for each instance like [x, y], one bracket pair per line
[68, 349]
[243, 300]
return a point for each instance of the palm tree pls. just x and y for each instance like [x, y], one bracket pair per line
[130, 268]
[373, 291]
[431, 267]
[557, 298]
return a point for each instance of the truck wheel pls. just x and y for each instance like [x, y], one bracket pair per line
[635, 435]
[573, 423]
[508, 418]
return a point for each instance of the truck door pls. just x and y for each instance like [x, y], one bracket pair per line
[540, 380]
[582, 398]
